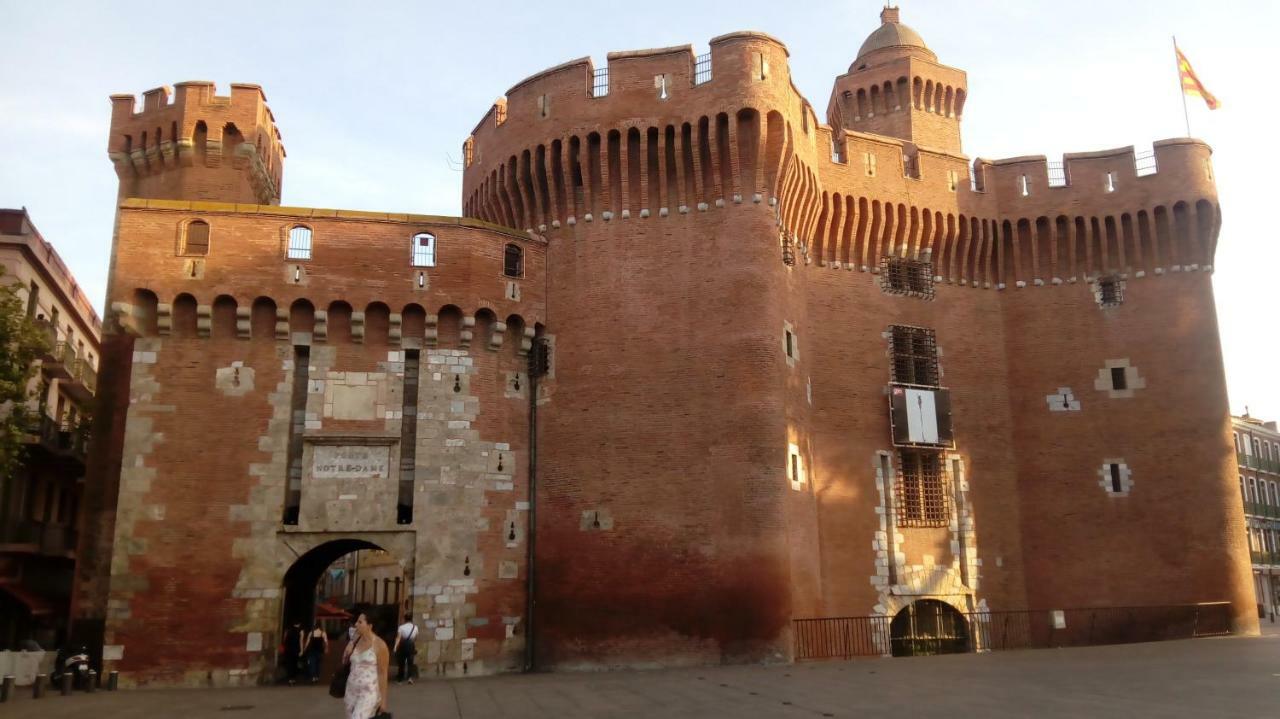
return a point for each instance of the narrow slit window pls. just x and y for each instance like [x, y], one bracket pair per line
[1116, 484]
[195, 240]
[869, 164]
[513, 261]
[424, 250]
[300, 243]
[1110, 182]
[791, 344]
[1023, 186]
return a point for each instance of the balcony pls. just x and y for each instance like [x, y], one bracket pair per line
[1265, 558]
[1258, 509]
[19, 535]
[62, 440]
[1255, 462]
[58, 359]
[81, 381]
[31, 537]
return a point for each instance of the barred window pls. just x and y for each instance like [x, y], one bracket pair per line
[921, 490]
[195, 239]
[300, 243]
[901, 276]
[1109, 291]
[915, 355]
[424, 250]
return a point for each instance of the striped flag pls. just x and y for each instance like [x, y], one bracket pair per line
[1191, 84]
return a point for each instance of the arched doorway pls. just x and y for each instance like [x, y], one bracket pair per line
[331, 583]
[928, 626]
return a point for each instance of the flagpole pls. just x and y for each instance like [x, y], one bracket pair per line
[1186, 117]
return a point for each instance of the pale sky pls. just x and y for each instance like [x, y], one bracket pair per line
[374, 99]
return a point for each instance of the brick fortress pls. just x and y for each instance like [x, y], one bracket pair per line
[796, 369]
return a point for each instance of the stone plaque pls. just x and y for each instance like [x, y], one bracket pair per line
[349, 461]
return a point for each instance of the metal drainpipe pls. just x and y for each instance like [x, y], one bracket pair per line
[533, 510]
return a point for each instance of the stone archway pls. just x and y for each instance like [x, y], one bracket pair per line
[301, 578]
[928, 626]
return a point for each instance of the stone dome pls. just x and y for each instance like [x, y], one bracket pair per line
[891, 34]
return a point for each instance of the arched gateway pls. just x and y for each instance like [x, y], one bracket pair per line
[928, 626]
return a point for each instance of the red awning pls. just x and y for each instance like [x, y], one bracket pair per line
[325, 610]
[35, 603]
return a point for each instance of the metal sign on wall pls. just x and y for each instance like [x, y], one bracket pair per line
[920, 416]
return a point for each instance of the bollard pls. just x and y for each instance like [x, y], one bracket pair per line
[113, 681]
[65, 683]
[93, 682]
[6, 689]
[37, 687]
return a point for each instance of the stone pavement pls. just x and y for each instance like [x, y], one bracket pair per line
[1228, 677]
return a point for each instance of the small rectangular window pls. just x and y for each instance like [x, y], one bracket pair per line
[915, 355]
[702, 69]
[196, 238]
[424, 250]
[921, 490]
[513, 261]
[1116, 485]
[1118, 380]
[790, 345]
[299, 243]
[600, 82]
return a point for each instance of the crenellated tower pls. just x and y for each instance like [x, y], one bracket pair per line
[196, 145]
[897, 87]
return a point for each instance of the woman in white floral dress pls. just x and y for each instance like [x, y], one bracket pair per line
[367, 684]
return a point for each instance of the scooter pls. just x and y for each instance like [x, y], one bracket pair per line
[77, 665]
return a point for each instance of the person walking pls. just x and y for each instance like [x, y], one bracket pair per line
[292, 653]
[317, 648]
[367, 683]
[404, 649]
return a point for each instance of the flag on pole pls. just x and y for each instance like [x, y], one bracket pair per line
[1191, 84]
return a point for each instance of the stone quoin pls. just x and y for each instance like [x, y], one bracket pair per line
[798, 367]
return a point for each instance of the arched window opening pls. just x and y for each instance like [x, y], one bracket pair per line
[299, 243]
[195, 238]
[513, 261]
[424, 250]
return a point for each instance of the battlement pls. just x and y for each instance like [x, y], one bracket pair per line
[192, 143]
[1120, 175]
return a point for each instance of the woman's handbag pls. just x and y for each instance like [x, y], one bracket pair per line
[338, 684]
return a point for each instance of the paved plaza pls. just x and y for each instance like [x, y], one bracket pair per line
[1228, 677]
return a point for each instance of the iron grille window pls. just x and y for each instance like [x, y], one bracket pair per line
[513, 261]
[702, 69]
[424, 250]
[196, 239]
[915, 355]
[1110, 291]
[600, 82]
[300, 243]
[1145, 163]
[1057, 174]
[921, 490]
[901, 276]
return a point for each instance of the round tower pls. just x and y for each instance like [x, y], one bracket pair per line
[897, 87]
[197, 145]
